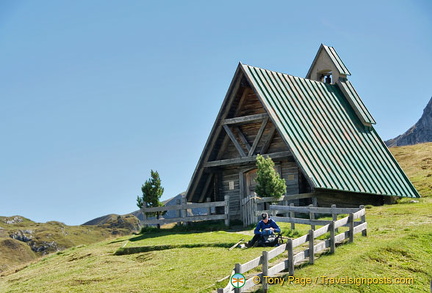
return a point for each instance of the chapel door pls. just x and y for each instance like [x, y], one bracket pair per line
[250, 177]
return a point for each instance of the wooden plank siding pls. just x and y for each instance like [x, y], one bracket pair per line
[246, 123]
[290, 172]
[344, 199]
[249, 132]
[233, 183]
[232, 175]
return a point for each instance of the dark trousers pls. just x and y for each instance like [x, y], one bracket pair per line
[254, 239]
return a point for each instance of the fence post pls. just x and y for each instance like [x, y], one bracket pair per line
[208, 199]
[254, 210]
[363, 220]
[179, 213]
[292, 215]
[332, 238]
[144, 214]
[311, 247]
[351, 227]
[244, 211]
[249, 209]
[314, 201]
[264, 271]
[184, 210]
[290, 257]
[311, 216]
[334, 216]
[227, 218]
[237, 270]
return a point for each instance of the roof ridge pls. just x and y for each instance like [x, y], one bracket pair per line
[278, 72]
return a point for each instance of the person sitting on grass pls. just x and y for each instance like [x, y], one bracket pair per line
[264, 227]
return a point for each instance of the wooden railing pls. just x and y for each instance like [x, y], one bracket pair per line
[249, 205]
[184, 217]
[312, 211]
[307, 254]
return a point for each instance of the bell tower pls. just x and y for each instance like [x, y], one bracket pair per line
[327, 66]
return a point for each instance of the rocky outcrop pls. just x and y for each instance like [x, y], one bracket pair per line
[421, 132]
[113, 221]
[28, 236]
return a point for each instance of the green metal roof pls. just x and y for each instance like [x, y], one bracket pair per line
[327, 135]
[356, 103]
[335, 59]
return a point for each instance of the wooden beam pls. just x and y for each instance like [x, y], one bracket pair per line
[214, 133]
[234, 140]
[243, 160]
[243, 98]
[245, 119]
[268, 140]
[243, 138]
[240, 104]
[258, 136]
[206, 187]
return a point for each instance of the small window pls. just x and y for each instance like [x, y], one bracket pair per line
[291, 177]
[325, 76]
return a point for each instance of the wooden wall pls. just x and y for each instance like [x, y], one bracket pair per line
[290, 172]
[270, 142]
[232, 176]
[326, 198]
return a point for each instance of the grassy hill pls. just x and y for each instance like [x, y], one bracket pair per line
[398, 245]
[416, 161]
[22, 240]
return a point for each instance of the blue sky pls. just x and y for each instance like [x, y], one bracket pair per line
[94, 94]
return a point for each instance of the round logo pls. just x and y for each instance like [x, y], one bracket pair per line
[238, 280]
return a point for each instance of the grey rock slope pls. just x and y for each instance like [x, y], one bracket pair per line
[421, 132]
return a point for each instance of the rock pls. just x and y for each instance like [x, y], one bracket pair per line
[112, 221]
[14, 220]
[421, 132]
[22, 235]
[44, 247]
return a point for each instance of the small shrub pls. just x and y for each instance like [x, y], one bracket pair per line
[149, 229]
[204, 226]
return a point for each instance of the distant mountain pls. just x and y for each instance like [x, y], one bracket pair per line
[129, 222]
[419, 133]
[105, 220]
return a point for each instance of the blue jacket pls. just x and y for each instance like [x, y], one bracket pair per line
[270, 224]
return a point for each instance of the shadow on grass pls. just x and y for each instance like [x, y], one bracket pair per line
[191, 228]
[139, 249]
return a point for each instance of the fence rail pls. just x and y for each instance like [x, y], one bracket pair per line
[249, 205]
[183, 216]
[307, 254]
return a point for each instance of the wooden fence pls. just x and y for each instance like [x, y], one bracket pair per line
[249, 205]
[304, 255]
[182, 211]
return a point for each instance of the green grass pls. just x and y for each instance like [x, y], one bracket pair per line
[416, 161]
[14, 253]
[167, 239]
[398, 245]
[95, 268]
